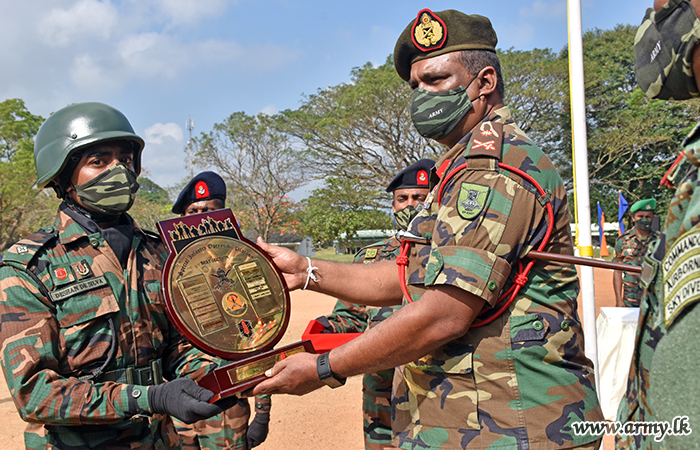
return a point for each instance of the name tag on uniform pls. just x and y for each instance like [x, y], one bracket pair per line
[681, 272]
[77, 288]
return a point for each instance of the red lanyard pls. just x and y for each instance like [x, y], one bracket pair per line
[487, 315]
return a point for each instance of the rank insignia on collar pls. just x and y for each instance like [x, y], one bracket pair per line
[472, 199]
[22, 249]
[60, 273]
[428, 32]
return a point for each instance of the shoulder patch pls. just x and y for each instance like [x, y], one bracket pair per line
[681, 275]
[472, 199]
[23, 251]
[486, 140]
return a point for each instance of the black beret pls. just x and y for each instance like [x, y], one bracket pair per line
[205, 186]
[417, 175]
[433, 34]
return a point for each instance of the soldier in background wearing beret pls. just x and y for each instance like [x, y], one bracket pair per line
[229, 430]
[630, 248]
[492, 353]
[663, 378]
[409, 188]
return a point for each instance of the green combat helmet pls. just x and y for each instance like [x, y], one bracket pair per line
[75, 127]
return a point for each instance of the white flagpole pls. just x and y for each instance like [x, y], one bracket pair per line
[583, 207]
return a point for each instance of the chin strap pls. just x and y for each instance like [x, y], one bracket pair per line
[488, 315]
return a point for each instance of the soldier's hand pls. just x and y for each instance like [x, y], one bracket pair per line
[296, 375]
[292, 265]
[186, 400]
[258, 429]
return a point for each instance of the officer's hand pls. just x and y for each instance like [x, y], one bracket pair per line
[292, 265]
[186, 400]
[294, 375]
[257, 430]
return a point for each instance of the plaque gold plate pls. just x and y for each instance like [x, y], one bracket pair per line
[226, 296]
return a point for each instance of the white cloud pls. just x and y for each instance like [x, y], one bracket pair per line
[163, 157]
[191, 12]
[270, 110]
[86, 19]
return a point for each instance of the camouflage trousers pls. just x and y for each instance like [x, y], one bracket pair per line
[376, 403]
[223, 431]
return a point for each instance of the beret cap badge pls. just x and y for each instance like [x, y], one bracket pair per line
[429, 31]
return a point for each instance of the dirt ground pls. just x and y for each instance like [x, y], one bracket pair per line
[325, 419]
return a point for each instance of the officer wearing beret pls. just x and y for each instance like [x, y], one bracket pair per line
[409, 189]
[86, 343]
[630, 248]
[205, 192]
[663, 376]
[491, 353]
[229, 430]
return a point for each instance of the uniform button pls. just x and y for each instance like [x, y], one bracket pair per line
[468, 370]
[492, 285]
[537, 325]
[94, 242]
[136, 393]
[50, 229]
[564, 325]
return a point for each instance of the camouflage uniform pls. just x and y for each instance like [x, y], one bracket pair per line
[52, 341]
[376, 387]
[661, 354]
[630, 248]
[522, 380]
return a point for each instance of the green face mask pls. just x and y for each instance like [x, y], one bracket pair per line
[111, 192]
[403, 217]
[643, 224]
[663, 51]
[436, 114]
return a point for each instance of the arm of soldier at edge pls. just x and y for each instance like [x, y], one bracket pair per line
[617, 287]
[31, 358]
[443, 314]
[375, 284]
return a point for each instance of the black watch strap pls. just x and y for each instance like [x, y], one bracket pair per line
[323, 367]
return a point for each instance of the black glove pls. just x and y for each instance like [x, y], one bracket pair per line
[186, 400]
[257, 430]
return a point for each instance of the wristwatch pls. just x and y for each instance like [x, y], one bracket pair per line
[323, 366]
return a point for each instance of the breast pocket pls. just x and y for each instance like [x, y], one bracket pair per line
[441, 388]
[82, 311]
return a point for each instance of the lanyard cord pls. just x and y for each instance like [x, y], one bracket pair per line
[519, 279]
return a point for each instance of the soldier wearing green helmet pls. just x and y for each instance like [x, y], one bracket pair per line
[88, 353]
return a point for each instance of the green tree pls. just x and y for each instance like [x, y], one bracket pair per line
[22, 208]
[260, 168]
[360, 130]
[341, 208]
[152, 204]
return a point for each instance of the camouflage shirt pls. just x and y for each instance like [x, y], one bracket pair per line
[664, 369]
[351, 318]
[630, 248]
[50, 343]
[522, 380]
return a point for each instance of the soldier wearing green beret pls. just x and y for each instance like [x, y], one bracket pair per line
[491, 353]
[663, 377]
[89, 356]
[630, 248]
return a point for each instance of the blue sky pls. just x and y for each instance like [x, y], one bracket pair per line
[162, 61]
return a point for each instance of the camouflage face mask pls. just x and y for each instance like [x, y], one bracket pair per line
[404, 216]
[111, 192]
[436, 114]
[663, 51]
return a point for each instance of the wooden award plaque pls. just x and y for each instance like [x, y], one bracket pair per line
[226, 296]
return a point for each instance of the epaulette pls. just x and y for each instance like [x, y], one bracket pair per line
[23, 251]
[486, 140]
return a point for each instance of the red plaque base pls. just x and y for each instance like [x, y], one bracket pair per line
[249, 372]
